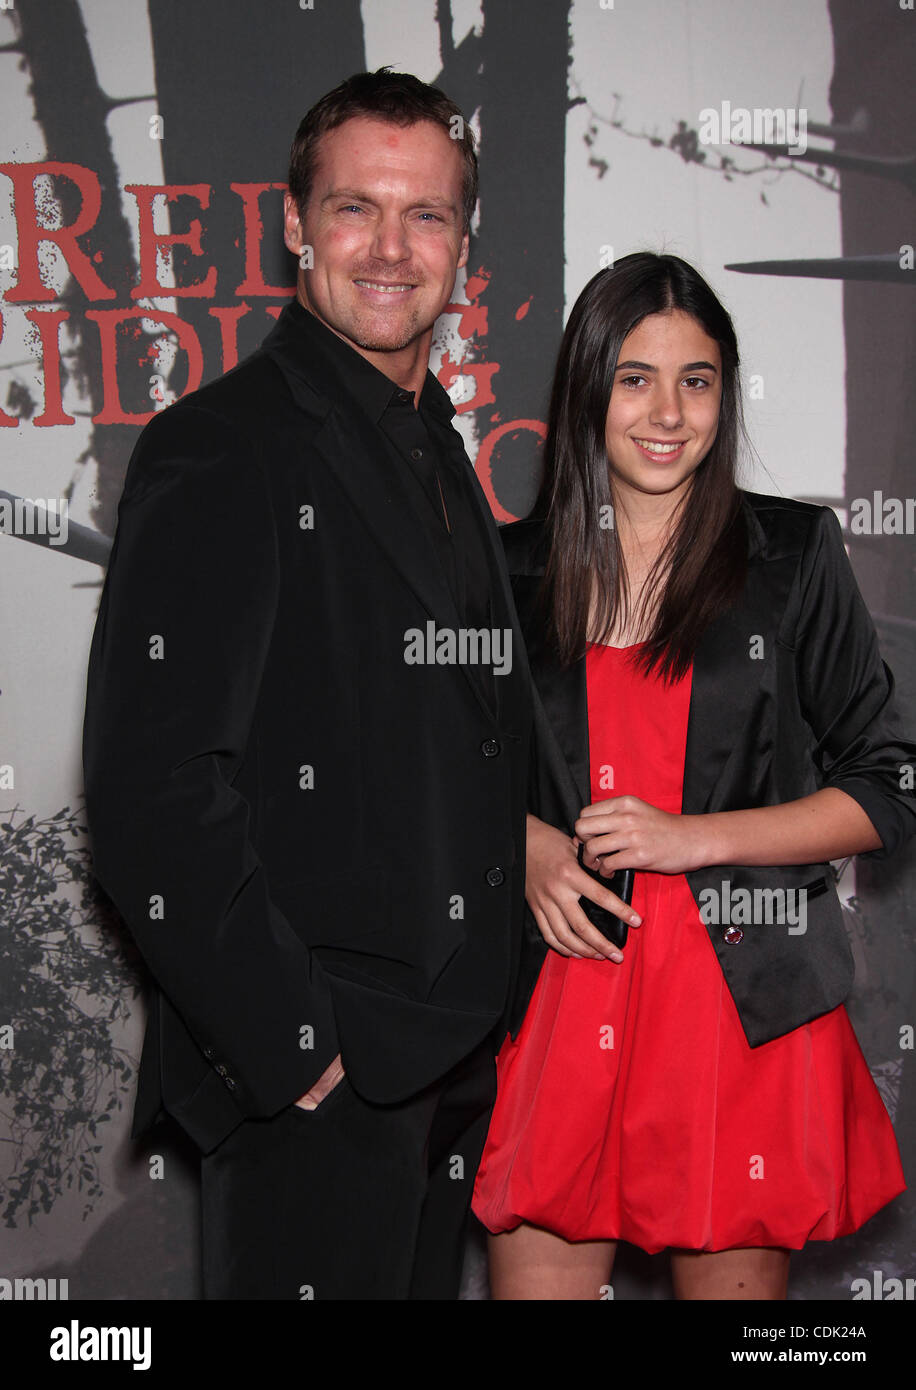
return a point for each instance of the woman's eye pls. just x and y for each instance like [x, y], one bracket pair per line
[631, 381]
[695, 382]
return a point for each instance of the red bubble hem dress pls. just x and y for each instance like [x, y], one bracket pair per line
[630, 1106]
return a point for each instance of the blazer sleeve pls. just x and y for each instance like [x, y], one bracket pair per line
[847, 692]
[177, 655]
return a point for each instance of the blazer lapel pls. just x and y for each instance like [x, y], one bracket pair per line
[729, 732]
[725, 680]
[349, 448]
[565, 703]
[560, 707]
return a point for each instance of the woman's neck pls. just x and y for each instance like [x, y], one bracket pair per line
[644, 523]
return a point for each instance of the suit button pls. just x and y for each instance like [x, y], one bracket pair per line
[229, 1082]
[221, 1070]
[489, 748]
[209, 1053]
[733, 935]
[495, 877]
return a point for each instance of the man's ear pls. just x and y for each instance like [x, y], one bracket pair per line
[465, 248]
[292, 225]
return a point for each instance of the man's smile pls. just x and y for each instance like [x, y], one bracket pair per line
[380, 287]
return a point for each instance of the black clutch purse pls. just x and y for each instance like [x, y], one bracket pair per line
[620, 883]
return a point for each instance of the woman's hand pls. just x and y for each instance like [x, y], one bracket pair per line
[553, 885]
[631, 834]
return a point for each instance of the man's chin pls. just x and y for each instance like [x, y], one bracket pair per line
[397, 337]
[370, 335]
[384, 333]
[389, 344]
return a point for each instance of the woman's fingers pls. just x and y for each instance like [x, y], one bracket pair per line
[567, 929]
[549, 935]
[554, 885]
[592, 939]
[611, 903]
[597, 857]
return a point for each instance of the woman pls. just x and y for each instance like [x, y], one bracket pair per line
[708, 672]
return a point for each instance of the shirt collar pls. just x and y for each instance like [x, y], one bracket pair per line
[372, 389]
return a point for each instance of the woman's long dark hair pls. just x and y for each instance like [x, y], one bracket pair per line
[701, 567]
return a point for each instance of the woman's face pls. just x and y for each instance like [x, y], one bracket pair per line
[664, 407]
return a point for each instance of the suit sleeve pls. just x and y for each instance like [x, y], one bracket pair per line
[847, 691]
[180, 644]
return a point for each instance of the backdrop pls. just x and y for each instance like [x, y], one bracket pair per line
[144, 157]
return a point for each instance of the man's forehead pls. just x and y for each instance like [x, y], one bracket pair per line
[366, 136]
[363, 153]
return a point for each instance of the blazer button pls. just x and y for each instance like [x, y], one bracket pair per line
[489, 748]
[495, 877]
[209, 1053]
[229, 1082]
[733, 935]
[221, 1070]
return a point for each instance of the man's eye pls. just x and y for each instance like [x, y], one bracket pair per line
[432, 216]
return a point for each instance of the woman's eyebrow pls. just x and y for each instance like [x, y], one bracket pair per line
[647, 367]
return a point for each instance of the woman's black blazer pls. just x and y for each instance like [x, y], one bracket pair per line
[789, 694]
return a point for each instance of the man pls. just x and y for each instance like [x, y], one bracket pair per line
[306, 742]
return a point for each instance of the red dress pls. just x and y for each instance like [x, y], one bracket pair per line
[630, 1106]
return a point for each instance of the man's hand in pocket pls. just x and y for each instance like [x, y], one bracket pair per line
[323, 1086]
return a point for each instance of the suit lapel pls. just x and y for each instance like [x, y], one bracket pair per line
[349, 448]
[502, 603]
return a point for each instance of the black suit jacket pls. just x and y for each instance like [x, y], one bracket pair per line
[317, 846]
[789, 694]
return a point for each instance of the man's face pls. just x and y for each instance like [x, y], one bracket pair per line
[384, 221]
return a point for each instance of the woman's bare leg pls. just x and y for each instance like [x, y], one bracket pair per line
[529, 1263]
[761, 1273]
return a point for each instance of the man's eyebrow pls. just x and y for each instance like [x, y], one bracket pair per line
[353, 193]
[358, 197]
[647, 367]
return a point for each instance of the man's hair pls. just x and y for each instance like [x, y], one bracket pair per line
[384, 95]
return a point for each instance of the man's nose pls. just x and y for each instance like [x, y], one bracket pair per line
[390, 241]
